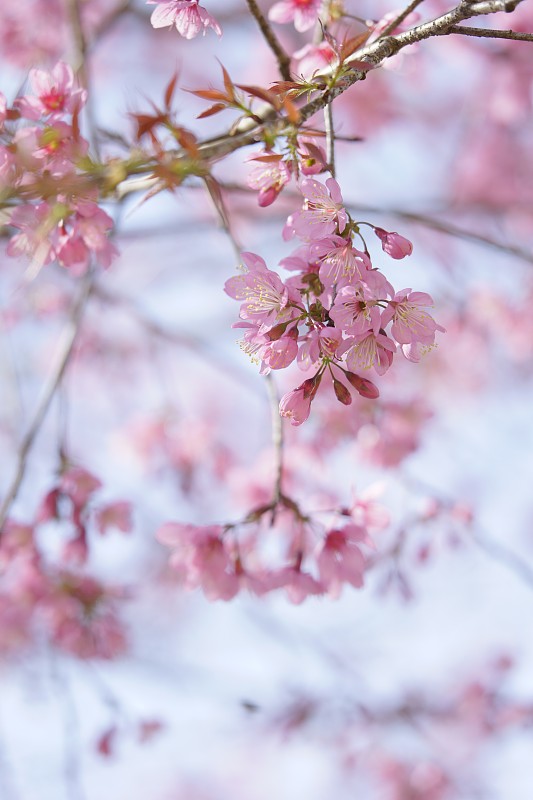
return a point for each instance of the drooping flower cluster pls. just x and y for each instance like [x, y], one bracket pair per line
[318, 559]
[58, 218]
[337, 316]
[42, 595]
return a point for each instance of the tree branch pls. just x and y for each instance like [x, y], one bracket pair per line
[54, 380]
[282, 58]
[277, 442]
[330, 138]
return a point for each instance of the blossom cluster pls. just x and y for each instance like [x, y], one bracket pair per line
[337, 316]
[57, 217]
[318, 559]
[42, 595]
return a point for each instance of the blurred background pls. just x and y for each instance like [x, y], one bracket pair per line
[418, 686]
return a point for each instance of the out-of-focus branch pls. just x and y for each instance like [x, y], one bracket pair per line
[201, 348]
[82, 67]
[271, 39]
[49, 391]
[447, 228]
[277, 442]
[213, 187]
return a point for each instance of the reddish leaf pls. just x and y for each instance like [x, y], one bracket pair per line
[212, 110]
[169, 91]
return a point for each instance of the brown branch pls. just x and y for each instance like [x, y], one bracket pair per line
[491, 34]
[82, 69]
[271, 39]
[277, 442]
[330, 138]
[200, 347]
[451, 230]
[50, 389]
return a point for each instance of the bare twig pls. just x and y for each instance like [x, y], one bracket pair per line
[491, 34]
[506, 557]
[200, 347]
[330, 138]
[277, 442]
[213, 187]
[450, 229]
[80, 43]
[282, 58]
[50, 389]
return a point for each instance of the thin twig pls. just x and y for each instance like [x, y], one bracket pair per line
[80, 43]
[491, 34]
[447, 228]
[71, 734]
[213, 187]
[50, 389]
[330, 138]
[200, 347]
[400, 18]
[271, 39]
[277, 442]
[506, 557]
[451, 230]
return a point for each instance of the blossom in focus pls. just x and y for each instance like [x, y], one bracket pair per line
[411, 323]
[322, 212]
[264, 294]
[188, 16]
[304, 13]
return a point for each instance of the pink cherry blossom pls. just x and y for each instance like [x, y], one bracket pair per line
[340, 560]
[54, 93]
[269, 178]
[410, 322]
[313, 58]
[295, 406]
[188, 16]
[323, 211]
[35, 223]
[264, 293]
[304, 13]
[343, 261]
[370, 350]
[355, 311]
[3, 109]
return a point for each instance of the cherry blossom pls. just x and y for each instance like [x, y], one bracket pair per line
[189, 17]
[304, 13]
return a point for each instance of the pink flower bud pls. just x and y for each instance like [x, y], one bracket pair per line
[341, 392]
[365, 387]
[393, 244]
